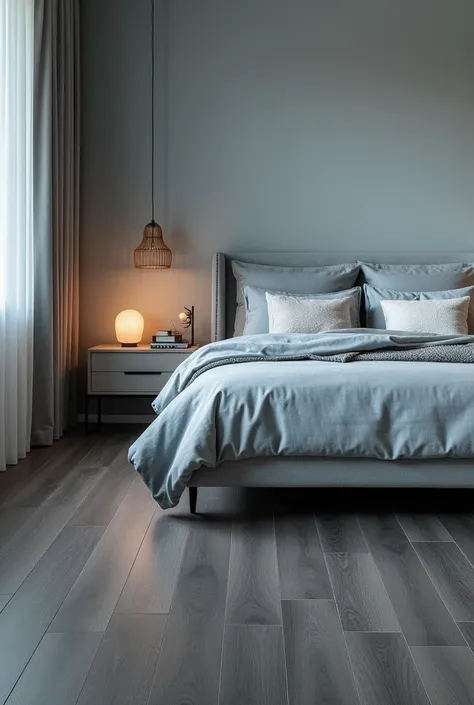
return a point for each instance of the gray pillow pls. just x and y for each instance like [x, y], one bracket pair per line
[299, 280]
[419, 277]
[374, 295]
[256, 308]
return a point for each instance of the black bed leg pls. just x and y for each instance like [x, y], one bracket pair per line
[193, 495]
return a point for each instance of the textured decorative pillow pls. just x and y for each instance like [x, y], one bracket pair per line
[300, 280]
[256, 309]
[294, 314]
[419, 277]
[374, 295]
[448, 317]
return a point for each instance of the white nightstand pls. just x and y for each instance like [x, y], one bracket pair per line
[141, 371]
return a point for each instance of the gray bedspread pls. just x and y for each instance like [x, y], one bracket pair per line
[222, 403]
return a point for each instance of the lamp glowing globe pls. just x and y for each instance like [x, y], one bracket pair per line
[129, 326]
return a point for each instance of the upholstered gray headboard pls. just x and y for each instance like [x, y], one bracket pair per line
[224, 284]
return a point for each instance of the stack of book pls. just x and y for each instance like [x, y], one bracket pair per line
[166, 340]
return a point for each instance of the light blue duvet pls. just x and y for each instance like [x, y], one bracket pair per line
[265, 396]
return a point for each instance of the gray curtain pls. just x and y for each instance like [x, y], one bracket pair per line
[56, 218]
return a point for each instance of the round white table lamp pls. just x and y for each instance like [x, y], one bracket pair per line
[129, 326]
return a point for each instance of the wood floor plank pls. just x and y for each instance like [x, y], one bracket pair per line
[340, 533]
[24, 551]
[189, 665]
[360, 594]
[316, 656]
[11, 520]
[100, 506]
[75, 487]
[452, 574]
[26, 547]
[152, 581]
[253, 594]
[123, 669]
[253, 666]
[17, 477]
[105, 450]
[423, 527]
[93, 598]
[27, 616]
[467, 629]
[302, 568]
[461, 528]
[4, 600]
[384, 670]
[422, 615]
[447, 674]
[57, 671]
[45, 482]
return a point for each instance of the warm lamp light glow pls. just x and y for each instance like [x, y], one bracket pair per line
[129, 326]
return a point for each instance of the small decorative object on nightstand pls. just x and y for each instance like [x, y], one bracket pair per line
[139, 372]
[129, 328]
[187, 319]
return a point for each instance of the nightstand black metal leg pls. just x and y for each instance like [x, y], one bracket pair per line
[99, 411]
[86, 415]
[193, 495]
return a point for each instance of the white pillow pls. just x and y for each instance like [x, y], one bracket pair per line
[294, 314]
[441, 317]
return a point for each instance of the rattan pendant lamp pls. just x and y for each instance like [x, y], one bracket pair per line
[152, 252]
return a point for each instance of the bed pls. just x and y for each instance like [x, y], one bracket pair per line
[444, 461]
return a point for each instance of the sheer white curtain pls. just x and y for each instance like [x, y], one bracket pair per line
[16, 227]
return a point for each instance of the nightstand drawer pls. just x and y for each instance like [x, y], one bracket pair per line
[142, 361]
[127, 382]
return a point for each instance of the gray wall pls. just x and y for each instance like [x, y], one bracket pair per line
[293, 125]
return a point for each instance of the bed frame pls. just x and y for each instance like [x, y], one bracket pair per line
[307, 471]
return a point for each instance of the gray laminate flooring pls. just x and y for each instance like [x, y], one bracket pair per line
[285, 597]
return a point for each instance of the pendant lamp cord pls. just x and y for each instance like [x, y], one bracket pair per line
[153, 110]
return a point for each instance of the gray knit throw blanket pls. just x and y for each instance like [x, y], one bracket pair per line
[437, 353]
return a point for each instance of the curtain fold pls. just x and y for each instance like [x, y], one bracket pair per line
[56, 218]
[16, 227]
